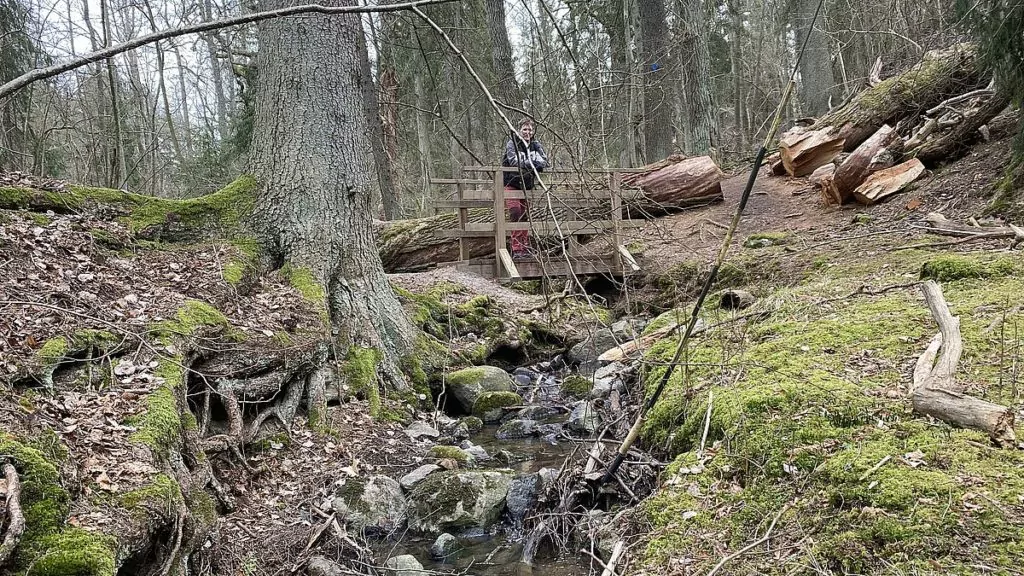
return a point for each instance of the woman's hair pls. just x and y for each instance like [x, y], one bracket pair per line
[526, 122]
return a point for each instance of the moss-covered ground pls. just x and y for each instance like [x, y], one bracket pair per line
[810, 415]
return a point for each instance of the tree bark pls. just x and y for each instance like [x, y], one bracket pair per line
[816, 80]
[313, 203]
[375, 133]
[657, 72]
[501, 55]
[939, 75]
[935, 391]
[700, 118]
[952, 144]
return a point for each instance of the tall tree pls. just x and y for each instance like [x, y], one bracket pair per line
[817, 83]
[312, 204]
[658, 71]
[700, 121]
[17, 53]
[508, 87]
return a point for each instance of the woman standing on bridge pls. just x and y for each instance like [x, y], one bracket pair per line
[528, 155]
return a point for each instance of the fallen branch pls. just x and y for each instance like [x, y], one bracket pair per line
[609, 569]
[16, 524]
[936, 392]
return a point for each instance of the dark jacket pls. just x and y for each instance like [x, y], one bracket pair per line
[523, 156]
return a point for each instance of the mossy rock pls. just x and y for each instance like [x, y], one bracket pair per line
[468, 384]
[490, 406]
[457, 500]
[951, 268]
[576, 387]
[766, 239]
[373, 505]
[473, 424]
[451, 453]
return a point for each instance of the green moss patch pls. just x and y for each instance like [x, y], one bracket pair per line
[490, 401]
[162, 495]
[450, 452]
[576, 386]
[949, 268]
[809, 411]
[160, 426]
[360, 371]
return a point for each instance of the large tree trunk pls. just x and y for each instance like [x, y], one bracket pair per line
[501, 55]
[939, 75]
[816, 80]
[700, 118]
[657, 71]
[312, 206]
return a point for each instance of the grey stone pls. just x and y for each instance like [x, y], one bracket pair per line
[535, 412]
[516, 429]
[456, 500]
[404, 565]
[586, 352]
[320, 566]
[524, 377]
[478, 452]
[467, 385]
[444, 547]
[413, 478]
[522, 496]
[371, 505]
[460, 432]
[628, 329]
[584, 418]
[420, 429]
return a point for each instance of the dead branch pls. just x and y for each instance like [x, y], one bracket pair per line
[936, 392]
[16, 525]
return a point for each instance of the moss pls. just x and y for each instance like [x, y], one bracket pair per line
[809, 410]
[450, 452]
[226, 208]
[14, 198]
[53, 350]
[160, 426]
[360, 371]
[193, 315]
[491, 401]
[39, 219]
[202, 507]
[303, 280]
[949, 268]
[576, 386]
[473, 424]
[162, 495]
[764, 239]
[75, 552]
[465, 376]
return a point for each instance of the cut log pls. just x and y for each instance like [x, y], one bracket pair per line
[951, 145]
[935, 391]
[885, 183]
[688, 182]
[804, 152]
[858, 166]
[823, 175]
[941, 74]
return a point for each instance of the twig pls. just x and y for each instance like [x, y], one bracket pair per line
[16, 524]
[874, 468]
[609, 569]
[750, 546]
[707, 425]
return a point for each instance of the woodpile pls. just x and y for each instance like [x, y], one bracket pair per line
[884, 138]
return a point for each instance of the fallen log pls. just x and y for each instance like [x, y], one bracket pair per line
[885, 183]
[941, 74]
[935, 391]
[804, 152]
[860, 164]
[13, 512]
[687, 182]
[952, 144]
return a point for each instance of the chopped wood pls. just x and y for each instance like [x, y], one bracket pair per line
[885, 183]
[823, 174]
[936, 392]
[859, 165]
[804, 152]
[681, 184]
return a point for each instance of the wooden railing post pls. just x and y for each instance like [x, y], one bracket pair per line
[463, 219]
[615, 186]
[499, 221]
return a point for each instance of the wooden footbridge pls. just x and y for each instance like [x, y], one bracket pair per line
[576, 205]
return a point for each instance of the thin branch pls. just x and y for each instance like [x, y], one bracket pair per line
[50, 71]
[750, 546]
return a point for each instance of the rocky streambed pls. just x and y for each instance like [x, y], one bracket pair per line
[498, 447]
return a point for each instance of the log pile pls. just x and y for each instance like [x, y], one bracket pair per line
[882, 140]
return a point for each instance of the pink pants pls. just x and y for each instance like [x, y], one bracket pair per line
[518, 212]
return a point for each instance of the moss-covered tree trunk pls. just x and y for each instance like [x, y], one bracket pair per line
[313, 202]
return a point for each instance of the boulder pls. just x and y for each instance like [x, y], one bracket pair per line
[523, 492]
[534, 412]
[478, 453]
[410, 480]
[626, 330]
[444, 547]
[404, 565]
[516, 429]
[584, 418]
[473, 424]
[467, 385]
[452, 453]
[576, 387]
[607, 378]
[490, 406]
[585, 353]
[457, 500]
[419, 429]
[373, 505]
[320, 566]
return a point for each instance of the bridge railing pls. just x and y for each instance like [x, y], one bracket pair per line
[575, 204]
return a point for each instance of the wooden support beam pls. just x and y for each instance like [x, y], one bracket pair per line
[509, 264]
[628, 258]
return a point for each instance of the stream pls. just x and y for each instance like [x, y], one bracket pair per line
[498, 551]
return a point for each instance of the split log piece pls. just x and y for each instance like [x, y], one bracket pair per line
[950, 145]
[859, 165]
[885, 183]
[804, 152]
[685, 183]
[936, 392]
